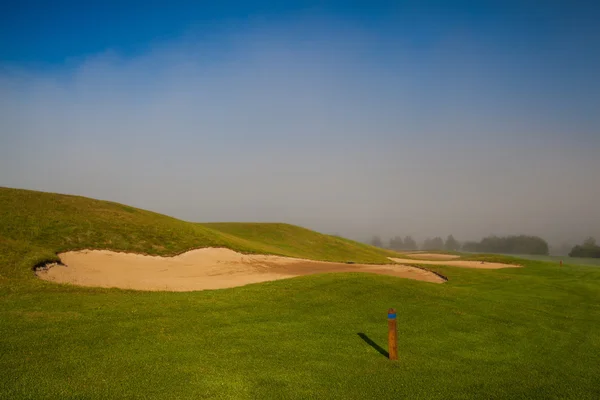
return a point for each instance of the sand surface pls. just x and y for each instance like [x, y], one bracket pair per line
[209, 268]
[456, 263]
[432, 256]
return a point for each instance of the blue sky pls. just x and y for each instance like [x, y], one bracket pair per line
[422, 118]
[54, 31]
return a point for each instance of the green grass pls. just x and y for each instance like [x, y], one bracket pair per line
[36, 226]
[595, 262]
[498, 258]
[521, 333]
[294, 241]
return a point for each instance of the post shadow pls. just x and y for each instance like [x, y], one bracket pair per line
[374, 345]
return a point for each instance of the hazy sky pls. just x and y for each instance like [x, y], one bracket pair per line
[370, 118]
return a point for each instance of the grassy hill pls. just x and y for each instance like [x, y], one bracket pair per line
[294, 241]
[517, 333]
[36, 225]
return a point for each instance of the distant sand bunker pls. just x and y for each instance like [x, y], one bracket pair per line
[456, 263]
[432, 256]
[209, 268]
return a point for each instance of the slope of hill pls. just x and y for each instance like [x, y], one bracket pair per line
[295, 241]
[37, 225]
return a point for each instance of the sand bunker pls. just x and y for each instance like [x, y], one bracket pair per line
[456, 263]
[210, 268]
[432, 256]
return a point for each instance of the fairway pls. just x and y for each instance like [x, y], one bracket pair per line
[592, 262]
[511, 333]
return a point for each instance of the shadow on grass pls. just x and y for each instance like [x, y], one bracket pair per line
[374, 345]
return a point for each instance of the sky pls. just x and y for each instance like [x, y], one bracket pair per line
[355, 118]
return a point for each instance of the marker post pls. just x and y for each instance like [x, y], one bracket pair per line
[392, 335]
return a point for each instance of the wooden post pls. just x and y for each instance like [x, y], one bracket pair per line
[561, 263]
[392, 335]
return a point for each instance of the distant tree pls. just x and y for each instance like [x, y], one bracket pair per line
[471, 247]
[521, 244]
[437, 243]
[396, 243]
[426, 244]
[588, 249]
[410, 243]
[590, 242]
[451, 244]
[376, 241]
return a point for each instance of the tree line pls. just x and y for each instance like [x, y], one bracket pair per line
[521, 244]
[408, 243]
[515, 244]
[589, 248]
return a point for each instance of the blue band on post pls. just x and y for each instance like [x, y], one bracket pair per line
[392, 316]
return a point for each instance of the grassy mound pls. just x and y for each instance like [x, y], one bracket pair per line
[36, 225]
[294, 241]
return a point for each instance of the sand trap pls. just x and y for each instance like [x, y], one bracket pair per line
[210, 268]
[456, 263]
[432, 256]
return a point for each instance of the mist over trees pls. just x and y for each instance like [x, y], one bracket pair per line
[376, 241]
[589, 248]
[396, 243]
[512, 244]
[433, 244]
[410, 243]
[562, 249]
[451, 244]
[521, 244]
[470, 246]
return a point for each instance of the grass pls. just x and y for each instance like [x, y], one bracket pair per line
[36, 225]
[498, 258]
[521, 333]
[294, 241]
[595, 262]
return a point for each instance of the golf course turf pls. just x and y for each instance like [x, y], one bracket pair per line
[514, 333]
